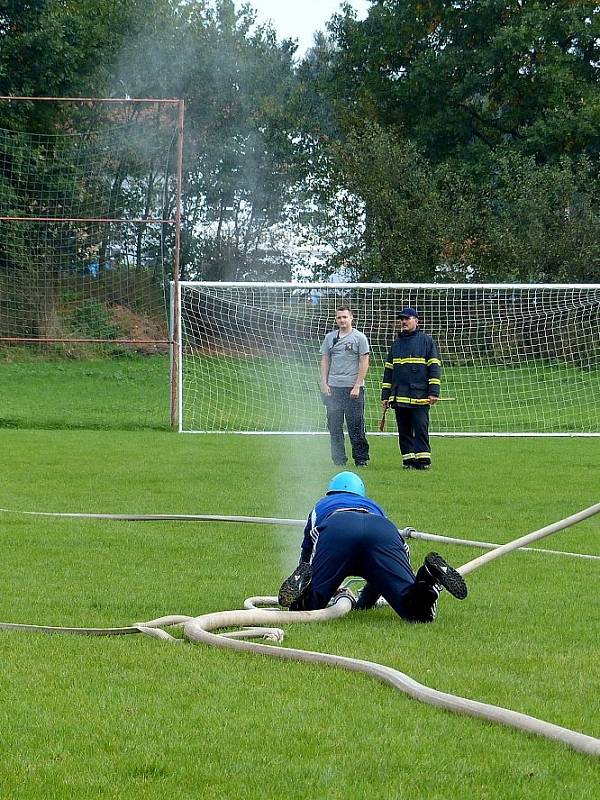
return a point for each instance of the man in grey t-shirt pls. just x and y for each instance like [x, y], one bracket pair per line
[344, 364]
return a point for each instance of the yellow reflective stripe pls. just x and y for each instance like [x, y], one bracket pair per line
[411, 360]
[435, 381]
[408, 456]
[434, 361]
[387, 365]
[412, 401]
[386, 385]
[422, 455]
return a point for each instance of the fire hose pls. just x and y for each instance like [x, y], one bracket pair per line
[199, 629]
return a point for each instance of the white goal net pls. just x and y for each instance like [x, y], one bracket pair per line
[87, 222]
[517, 359]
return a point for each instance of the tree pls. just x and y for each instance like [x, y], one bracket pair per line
[459, 75]
[383, 219]
[239, 166]
[59, 48]
[459, 140]
[536, 223]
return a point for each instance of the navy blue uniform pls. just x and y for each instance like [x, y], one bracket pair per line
[349, 535]
[412, 373]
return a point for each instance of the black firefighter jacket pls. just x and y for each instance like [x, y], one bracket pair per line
[412, 370]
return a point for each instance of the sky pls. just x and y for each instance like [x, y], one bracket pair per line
[299, 19]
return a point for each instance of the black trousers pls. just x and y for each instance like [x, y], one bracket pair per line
[413, 434]
[341, 406]
[355, 543]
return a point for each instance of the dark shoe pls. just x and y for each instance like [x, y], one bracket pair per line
[362, 463]
[422, 465]
[296, 585]
[445, 575]
[365, 600]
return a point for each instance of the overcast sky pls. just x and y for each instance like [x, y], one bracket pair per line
[299, 19]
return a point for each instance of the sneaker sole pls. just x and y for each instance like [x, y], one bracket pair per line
[446, 575]
[295, 586]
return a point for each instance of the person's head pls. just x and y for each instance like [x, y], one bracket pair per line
[347, 482]
[344, 318]
[408, 320]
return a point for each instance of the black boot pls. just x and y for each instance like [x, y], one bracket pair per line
[296, 585]
[440, 572]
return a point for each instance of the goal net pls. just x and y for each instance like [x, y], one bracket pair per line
[87, 221]
[517, 359]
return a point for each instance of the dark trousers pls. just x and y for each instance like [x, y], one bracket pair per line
[339, 406]
[356, 543]
[413, 434]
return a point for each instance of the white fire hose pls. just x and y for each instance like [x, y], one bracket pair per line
[199, 629]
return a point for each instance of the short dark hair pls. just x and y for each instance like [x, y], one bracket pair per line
[344, 308]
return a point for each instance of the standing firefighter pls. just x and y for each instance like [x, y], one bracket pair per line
[411, 384]
[347, 534]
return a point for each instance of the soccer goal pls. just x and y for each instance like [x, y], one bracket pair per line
[90, 204]
[518, 359]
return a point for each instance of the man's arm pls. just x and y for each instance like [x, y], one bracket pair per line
[386, 382]
[307, 542]
[434, 373]
[324, 369]
[363, 366]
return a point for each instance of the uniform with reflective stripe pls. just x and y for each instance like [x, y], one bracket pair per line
[412, 371]
[412, 374]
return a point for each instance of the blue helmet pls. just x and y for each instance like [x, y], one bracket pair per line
[347, 482]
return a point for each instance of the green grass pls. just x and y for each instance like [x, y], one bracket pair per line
[127, 393]
[132, 393]
[137, 718]
[226, 393]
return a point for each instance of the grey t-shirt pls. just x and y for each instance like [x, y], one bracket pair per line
[344, 353]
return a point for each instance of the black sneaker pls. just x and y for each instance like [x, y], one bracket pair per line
[296, 585]
[362, 463]
[445, 575]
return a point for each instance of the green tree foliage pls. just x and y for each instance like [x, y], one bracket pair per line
[533, 222]
[59, 48]
[404, 219]
[440, 139]
[457, 74]
[389, 208]
[468, 134]
[239, 154]
[235, 79]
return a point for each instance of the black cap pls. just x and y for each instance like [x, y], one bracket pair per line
[408, 312]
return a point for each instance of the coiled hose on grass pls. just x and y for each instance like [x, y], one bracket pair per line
[200, 629]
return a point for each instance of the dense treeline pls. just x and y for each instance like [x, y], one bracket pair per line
[433, 141]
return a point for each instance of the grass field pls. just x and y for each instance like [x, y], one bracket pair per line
[282, 394]
[130, 717]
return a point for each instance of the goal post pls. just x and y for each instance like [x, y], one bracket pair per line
[521, 360]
